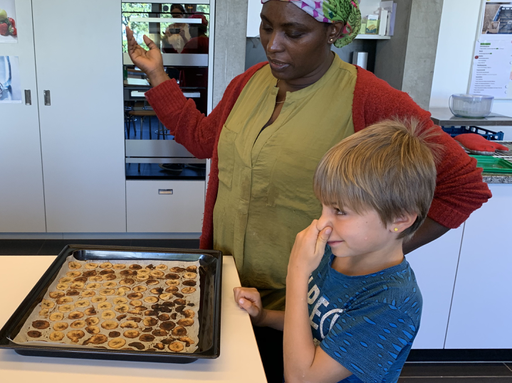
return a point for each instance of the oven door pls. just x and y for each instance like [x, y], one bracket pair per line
[183, 34]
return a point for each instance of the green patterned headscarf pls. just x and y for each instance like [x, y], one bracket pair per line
[330, 11]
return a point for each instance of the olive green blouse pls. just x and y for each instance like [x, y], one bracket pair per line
[265, 194]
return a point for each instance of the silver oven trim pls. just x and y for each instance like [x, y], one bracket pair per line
[178, 59]
[164, 160]
[155, 148]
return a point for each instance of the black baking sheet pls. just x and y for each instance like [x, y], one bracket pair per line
[210, 274]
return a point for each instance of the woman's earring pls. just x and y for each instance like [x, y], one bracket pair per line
[396, 228]
[331, 40]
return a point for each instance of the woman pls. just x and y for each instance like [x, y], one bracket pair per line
[176, 35]
[272, 127]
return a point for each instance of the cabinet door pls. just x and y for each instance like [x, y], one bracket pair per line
[480, 315]
[435, 266]
[21, 193]
[165, 206]
[79, 61]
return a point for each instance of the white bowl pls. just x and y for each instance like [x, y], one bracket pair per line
[470, 105]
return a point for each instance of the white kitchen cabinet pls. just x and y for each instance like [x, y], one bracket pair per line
[435, 267]
[79, 58]
[69, 145]
[481, 315]
[165, 206]
[21, 173]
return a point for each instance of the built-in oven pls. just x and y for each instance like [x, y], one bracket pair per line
[183, 31]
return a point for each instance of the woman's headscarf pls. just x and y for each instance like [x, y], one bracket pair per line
[329, 11]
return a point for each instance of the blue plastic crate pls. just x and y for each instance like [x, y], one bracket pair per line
[487, 134]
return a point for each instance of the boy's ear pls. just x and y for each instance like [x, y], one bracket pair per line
[403, 222]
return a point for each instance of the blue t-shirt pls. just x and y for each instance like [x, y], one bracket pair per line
[366, 323]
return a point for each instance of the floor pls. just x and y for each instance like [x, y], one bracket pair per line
[470, 371]
[456, 373]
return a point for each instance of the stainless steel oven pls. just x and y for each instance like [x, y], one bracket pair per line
[184, 33]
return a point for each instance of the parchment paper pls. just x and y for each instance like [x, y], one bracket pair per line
[96, 298]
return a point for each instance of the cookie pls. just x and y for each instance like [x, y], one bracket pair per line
[109, 325]
[40, 324]
[97, 339]
[60, 326]
[131, 334]
[136, 307]
[34, 334]
[176, 346]
[92, 329]
[75, 335]
[56, 336]
[90, 266]
[116, 343]
[77, 324]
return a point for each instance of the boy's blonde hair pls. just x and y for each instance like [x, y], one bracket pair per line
[387, 167]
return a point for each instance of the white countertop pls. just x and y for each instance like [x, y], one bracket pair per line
[239, 359]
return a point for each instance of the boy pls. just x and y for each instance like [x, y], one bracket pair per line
[353, 306]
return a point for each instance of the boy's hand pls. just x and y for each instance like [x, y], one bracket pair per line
[249, 299]
[308, 249]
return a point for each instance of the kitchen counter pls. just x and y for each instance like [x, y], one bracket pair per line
[445, 118]
[500, 178]
[497, 178]
[239, 359]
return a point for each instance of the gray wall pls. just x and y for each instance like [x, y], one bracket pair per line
[407, 60]
[254, 52]
[229, 45]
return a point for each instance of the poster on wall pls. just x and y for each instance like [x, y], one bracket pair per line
[492, 68]
[8, 30]
[492, 60]
[10, 86]
[497, 18]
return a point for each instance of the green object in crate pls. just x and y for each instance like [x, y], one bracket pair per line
[493, 164]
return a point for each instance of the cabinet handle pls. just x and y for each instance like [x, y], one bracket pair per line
[47, 99]
[165, 191]
[28, 97]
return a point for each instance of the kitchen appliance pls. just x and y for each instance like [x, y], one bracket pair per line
[186, 42]
[470, 105]
[360, 58]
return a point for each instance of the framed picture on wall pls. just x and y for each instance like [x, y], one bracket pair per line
[491, 71]
[10, 86]
[497, 17]
[8, 28]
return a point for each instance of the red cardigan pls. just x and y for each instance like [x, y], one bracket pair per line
[459, 191]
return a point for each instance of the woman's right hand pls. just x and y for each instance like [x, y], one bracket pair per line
[150, 62]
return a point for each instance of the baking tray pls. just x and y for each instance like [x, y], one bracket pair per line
[493, 164]
[210, 276]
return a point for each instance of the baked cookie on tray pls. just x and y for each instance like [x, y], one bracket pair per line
[119, 305]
